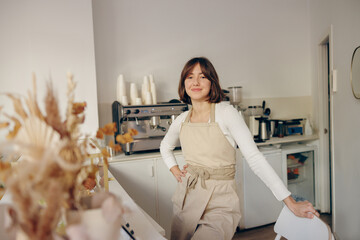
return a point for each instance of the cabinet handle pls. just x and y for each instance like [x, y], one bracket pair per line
[151, 171]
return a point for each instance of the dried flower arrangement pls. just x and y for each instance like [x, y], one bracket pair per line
[51, 174]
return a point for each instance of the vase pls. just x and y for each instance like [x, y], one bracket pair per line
[20, 235]
[92, 225]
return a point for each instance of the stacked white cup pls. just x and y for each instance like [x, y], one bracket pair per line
[148, 98]
[153, 89]
[148, 92]
[120, 88]
[145, 91]
[133, 93]
[124, 100]
[138, 101]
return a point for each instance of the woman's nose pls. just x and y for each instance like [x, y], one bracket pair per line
[196, 80]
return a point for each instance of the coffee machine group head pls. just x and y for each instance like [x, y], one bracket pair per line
[151, 122]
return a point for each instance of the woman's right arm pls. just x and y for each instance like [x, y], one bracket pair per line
[169, 143]
[256, 160]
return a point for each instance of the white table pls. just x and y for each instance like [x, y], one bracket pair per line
[144, 227]
[140, 222]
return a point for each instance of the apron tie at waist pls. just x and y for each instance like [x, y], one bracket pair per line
[208, 173]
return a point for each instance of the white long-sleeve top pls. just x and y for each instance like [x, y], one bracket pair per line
[237, 133]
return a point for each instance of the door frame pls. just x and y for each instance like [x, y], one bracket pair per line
[327, 177]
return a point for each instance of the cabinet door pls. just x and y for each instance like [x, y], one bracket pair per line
[260, 205]
[138, 180]
[166, 184]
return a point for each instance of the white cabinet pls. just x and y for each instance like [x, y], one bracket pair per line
[258, 204]
[150, 184]
[137, 177]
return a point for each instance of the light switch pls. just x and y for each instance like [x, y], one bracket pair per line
[334, 80]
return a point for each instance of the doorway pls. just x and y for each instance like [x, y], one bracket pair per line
[326, 90]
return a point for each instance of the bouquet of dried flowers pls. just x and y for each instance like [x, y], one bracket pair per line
[51, 174]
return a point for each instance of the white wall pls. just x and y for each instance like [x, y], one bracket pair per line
[261, 45]
[49, 38]
[345, 18]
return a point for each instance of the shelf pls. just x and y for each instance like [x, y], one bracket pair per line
[296, 165]
[289, 139]
[298, 180]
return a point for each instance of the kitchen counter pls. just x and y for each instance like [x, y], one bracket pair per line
[139, 156]
[272, 141]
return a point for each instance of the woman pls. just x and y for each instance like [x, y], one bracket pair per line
[206, 205]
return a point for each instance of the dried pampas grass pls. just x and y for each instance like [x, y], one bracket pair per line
[51, 175]
[31, 101]
[18, 106]
[17, 125]
[44, 181]
[53, 117]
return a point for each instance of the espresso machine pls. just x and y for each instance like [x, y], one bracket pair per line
[151, 121]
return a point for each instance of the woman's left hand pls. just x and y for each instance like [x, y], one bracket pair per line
[301, 209]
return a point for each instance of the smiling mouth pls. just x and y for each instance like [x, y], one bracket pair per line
[196, 89]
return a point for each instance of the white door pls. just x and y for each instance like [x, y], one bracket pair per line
[166, 184]
[137, 177]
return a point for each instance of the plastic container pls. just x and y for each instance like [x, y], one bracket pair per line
[281, 129]
[235, 95]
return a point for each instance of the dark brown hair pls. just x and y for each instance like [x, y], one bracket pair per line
[215, 94]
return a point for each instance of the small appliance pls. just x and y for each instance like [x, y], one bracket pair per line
[264, 129]
[287, 127]
[151, 121]
[235, 96]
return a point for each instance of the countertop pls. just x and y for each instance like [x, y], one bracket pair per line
[140, 222]
[273, 141]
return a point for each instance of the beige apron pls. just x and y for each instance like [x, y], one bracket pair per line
[206, 205]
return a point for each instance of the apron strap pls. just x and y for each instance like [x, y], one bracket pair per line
[187, 119]
[212, 113]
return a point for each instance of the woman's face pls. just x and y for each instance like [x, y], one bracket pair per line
[197, 86]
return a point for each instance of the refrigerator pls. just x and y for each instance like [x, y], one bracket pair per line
[300, 171]
[257, 203]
